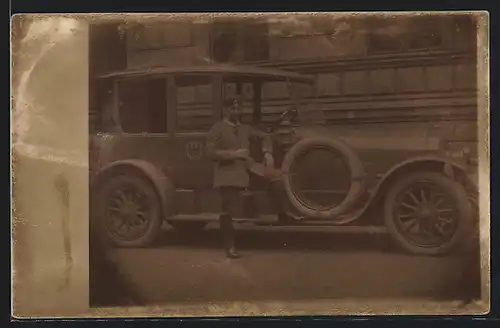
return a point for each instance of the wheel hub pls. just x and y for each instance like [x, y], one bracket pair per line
[425, 212]
[128, 209]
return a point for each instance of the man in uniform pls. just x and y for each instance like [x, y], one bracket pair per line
[228, 146]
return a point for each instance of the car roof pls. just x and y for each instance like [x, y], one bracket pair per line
[230, 72]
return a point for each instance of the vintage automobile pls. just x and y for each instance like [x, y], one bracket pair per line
[423, 196]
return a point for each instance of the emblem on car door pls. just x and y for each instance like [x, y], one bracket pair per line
[194, 150]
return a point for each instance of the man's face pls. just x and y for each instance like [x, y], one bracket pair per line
[234, 112]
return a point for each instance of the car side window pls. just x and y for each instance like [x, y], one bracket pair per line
[194, 108]
[277, 94]
[143, 105]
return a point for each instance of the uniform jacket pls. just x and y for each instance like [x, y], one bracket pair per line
[225, 135]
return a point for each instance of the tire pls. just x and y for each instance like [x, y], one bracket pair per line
[461, 213]
[348, 156]
[187, 226]
[107, 199]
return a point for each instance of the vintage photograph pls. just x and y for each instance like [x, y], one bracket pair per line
[286, 158]
[300, 157]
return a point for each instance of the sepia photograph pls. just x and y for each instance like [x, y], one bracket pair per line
[250, 164]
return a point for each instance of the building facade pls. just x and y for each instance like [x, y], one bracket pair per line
[397, 75]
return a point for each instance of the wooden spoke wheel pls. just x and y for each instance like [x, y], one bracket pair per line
[129, 212]
[428, 213]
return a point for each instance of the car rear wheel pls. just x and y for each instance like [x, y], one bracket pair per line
[128, 211]
[428, 213]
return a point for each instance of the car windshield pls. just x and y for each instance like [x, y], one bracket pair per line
[304, 98]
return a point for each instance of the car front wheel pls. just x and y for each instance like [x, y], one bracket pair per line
[427, 213]
[129, 211]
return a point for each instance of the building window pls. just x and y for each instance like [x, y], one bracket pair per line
[143, 106]
[224, 45]
[107, 49]
[256, 43]
[240, 42]
[404, 34]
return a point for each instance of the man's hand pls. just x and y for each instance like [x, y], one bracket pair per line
[241, 154]
[268, 160]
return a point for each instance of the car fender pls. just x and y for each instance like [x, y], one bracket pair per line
[445, 161]
[153, 174]
[425, 162]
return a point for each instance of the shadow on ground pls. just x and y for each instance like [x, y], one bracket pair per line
[183, 267]
[276, 239]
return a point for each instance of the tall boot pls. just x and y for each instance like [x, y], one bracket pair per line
[227, 229]
[276, 193]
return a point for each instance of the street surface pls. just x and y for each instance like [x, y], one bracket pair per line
[284, 264]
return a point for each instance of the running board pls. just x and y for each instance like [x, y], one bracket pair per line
[210, 217]
[273, 220]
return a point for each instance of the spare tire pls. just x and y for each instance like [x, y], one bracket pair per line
[356, 180]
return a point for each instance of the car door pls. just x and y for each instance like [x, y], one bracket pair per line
[194, 117]
[142, 115]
